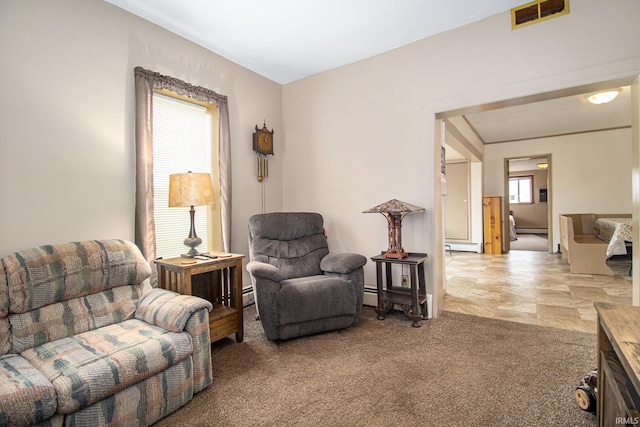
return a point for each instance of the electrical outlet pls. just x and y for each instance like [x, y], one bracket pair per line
[405, 281]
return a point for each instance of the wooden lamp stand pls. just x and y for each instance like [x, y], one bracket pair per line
[395, 250]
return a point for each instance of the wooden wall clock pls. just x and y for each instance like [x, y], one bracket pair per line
[263, 145]
[263, 140]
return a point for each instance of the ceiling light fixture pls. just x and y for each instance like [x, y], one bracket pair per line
[543, 165]
[603, 97]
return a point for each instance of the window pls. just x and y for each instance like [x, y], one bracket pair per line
[219, 228]
[521, 189]
[181, 143]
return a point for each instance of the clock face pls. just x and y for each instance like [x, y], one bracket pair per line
[263, 141]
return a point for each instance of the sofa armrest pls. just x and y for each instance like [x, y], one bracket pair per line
[342, 263]
[168, 309]
[198, 327]
[262, 270]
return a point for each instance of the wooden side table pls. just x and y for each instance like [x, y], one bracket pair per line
[618, 394]
[217, 280]
[412, 299]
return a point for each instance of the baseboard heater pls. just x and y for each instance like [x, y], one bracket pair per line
[464, 247]
[525, 230]
[371, 299]
[247, 297]
[370, 296]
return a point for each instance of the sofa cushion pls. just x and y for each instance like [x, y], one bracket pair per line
[310, 298]
[143, 403]
[26, 396]
[5, 343]
[5, 333]
[72, 317]
[54, 273]
[4, 294]
[88, 367]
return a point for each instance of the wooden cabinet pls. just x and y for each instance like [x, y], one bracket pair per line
[492, 224]
[618, 364]
[217, 280]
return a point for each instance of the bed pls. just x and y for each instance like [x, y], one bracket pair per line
[512, 228]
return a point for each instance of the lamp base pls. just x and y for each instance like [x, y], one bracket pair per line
[189, 255]
[192, 242]
[395, 254]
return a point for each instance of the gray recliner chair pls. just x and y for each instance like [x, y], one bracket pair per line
[300, 288]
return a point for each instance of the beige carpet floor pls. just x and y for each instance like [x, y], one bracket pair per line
[530, 242]
[456, 370]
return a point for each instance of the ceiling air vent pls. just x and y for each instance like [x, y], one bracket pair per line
[537, 11]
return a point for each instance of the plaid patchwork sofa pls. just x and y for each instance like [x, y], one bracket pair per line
[86, 340]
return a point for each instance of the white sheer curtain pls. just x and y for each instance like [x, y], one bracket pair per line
[145, 83]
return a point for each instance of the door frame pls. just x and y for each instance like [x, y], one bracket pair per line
[437, 116]
[505, 231]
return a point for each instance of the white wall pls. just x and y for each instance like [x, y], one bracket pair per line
[364, 133]
[67, 116]
[346, 139]
[590, 172]
[477, 229]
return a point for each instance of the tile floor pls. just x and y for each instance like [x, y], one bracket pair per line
[531, 287]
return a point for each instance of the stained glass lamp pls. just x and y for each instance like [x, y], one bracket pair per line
[394, 210]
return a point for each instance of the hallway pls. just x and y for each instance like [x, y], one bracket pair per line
[531, 287]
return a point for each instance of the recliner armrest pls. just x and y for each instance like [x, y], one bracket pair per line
[263, 270]
[342, 263]
[168, 309]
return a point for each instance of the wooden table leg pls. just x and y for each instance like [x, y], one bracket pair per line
[379, 309]
[423, 290]
[237, 296]
[415, 314]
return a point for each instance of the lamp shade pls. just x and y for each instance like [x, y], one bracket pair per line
[190, 189]
[394, 207]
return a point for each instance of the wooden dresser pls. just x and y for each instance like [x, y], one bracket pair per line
[618, 364]
[492, 225]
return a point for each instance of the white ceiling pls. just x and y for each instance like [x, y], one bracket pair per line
[559, 116]
[286, 40]
[525, 164]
